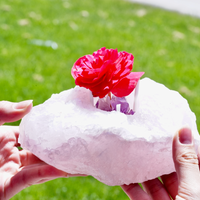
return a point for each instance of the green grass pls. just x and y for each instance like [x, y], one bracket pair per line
[165, 45]
[72, 188]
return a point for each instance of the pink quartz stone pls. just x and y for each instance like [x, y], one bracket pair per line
[70, 133]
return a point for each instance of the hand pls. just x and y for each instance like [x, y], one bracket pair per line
[184, 184]
[19, 169]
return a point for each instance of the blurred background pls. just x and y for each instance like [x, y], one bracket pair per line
[41, 39]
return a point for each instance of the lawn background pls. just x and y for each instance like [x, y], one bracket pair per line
[165, 45]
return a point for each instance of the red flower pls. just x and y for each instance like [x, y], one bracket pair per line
[106, 70]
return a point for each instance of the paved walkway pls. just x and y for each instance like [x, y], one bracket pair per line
[190, 7]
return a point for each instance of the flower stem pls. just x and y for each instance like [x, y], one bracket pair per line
[109, 94]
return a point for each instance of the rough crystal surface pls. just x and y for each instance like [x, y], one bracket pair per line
[68, 132]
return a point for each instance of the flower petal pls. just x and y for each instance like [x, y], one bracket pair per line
[106, 70]
[126, 85]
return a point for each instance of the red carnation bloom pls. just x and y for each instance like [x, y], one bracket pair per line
[106, 70]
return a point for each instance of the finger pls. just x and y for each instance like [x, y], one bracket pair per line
[10, 112]
[27, 158]
[198, 155]
[135, 192]
[170, 182]
[31, 175]
[186, 163]
[156, 190]
[11, 132]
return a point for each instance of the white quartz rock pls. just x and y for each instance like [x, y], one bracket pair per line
[68, 132]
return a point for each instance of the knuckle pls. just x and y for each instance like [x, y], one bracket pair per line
[4, 110]
[3, 104]
[171, 181]
[155, 188]
[188, 157]
[189, 192]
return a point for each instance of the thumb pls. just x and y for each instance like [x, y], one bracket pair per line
[186, 165]
[10, 112]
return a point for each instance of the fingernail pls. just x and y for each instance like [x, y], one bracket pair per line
[185, 136]
[22, 105]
